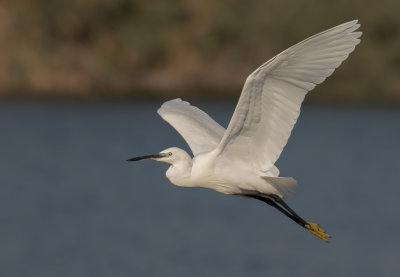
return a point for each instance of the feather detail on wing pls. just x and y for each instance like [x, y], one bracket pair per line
[271, 98]
[198, 129]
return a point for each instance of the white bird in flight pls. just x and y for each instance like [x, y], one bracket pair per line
[240, 160]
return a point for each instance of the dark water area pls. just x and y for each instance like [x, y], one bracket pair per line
[71, 206]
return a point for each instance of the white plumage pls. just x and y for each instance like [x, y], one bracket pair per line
[240, 160]
[197, 128]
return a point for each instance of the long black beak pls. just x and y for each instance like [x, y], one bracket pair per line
[148, 157]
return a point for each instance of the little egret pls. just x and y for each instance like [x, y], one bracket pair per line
[240, 160]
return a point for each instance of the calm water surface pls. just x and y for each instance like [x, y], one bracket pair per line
[71, 206]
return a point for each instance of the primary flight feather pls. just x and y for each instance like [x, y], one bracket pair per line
[240, 160]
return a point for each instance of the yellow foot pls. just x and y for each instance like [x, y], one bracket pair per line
[317, 231]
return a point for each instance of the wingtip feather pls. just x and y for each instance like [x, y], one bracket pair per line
[168, 104]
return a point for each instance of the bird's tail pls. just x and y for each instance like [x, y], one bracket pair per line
[286, 186]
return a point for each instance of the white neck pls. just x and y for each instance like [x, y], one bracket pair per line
[179, 172]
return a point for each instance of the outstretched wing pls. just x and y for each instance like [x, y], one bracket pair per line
[271, 98]
[196, 127]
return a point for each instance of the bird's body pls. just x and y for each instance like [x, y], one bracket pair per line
[206, 170]
[241, 159]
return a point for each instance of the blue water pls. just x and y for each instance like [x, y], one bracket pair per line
[71, 206]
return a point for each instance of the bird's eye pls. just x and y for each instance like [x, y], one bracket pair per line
[169, 153]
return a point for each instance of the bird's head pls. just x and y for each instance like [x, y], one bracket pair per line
[169, 155]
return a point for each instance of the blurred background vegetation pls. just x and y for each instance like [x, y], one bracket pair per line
[101, 49]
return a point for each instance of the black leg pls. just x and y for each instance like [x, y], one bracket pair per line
[286, 206]
[278, 203]
[272, 200]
